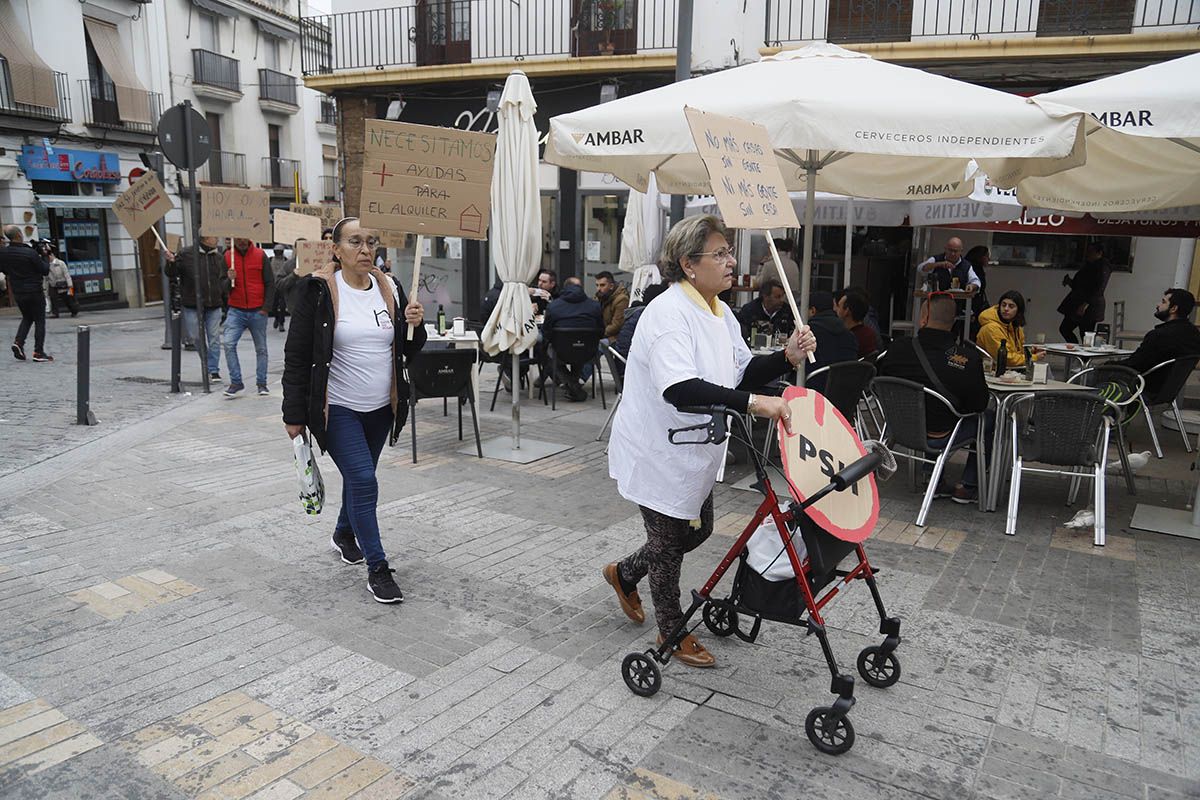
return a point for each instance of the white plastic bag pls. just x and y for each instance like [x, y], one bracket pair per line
[312, 488]
[765, 553]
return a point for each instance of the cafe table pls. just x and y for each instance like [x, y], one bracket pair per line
[1005, 393]
[1084, 355]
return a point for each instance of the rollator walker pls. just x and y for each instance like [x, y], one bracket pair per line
[828, 532]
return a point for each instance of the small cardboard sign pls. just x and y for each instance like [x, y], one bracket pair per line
[235, 213]
[312, 254]
[427, 180]
[174, 242]
[741, 165]
[328, 214]
[290, 226]
[142, 204]
[822, 444]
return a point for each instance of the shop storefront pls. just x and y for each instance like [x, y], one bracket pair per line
[74, 191]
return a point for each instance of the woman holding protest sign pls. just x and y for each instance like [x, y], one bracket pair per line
[343, 379]
[688, 351]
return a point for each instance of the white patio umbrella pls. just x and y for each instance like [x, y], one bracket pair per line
[641, 237]
[1145, 156]
[516, 231]
[840, 121]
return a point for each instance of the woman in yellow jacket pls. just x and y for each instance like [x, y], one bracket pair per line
[1004, 322]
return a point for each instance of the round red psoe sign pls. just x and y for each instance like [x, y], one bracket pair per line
[134, 174]
[823, 443]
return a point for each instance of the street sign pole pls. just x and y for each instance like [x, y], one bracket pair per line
[201, 272]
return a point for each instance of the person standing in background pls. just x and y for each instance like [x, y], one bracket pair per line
[280, 267]
[58, 283]
[1084, 305]
[25, 271]
[251, 297]
[792, 270]
[182, 268]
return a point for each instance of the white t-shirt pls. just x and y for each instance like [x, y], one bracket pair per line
[360, 374]
[677, 339]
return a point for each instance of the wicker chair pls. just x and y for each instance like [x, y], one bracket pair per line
[903, 403]
[1132, 385]
[1069, 430]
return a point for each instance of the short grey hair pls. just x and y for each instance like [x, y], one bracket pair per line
[688, 237]
[13, 233]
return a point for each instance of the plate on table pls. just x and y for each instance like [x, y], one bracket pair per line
[1011, 379]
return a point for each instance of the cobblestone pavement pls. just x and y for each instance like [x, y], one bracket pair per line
[172, 625]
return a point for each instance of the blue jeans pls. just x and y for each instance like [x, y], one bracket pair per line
[212, 329]
[237, 321]
[966, 436]
[354, 440]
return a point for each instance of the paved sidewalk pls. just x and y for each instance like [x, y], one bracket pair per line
[172, 625]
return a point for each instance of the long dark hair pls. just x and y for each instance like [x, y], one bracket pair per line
[1019, 300]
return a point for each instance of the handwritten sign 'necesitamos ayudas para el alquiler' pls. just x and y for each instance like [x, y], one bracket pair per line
[427, 180]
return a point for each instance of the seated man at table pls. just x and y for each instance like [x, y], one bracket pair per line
[571, 309]
[955, 371]
[1175, 336]
[769, 310]
[852, 307]
[834, 343]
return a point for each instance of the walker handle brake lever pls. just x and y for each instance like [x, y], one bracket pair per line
[716, 429]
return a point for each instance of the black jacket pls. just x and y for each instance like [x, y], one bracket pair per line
[1087, 286]
[835, 342]
[959, 368]
[753, 313]
[573, 309]
[1171, 339]
[183, 269]
[24, 267]
[308, 352]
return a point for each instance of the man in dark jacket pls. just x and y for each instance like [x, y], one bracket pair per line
[251, 296]
[1084, 305]
[1176, 336]
[835, 343]
[182, 267]
[770, 310]
[572, 309]
[26, 270]
[959, 373]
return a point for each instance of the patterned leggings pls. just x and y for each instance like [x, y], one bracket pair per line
[661, 557]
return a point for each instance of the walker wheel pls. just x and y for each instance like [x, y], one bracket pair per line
[877, 668]
[641, 674]
[721, 619]
[829, 733]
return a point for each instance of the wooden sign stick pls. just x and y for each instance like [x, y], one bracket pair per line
[161, 243]
[787, 289]
[412, 295]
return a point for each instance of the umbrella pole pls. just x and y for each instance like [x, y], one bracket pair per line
[849, 241]
[810, 201]
[516, 399]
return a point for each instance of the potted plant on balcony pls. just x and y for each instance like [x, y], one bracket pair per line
[607, 14]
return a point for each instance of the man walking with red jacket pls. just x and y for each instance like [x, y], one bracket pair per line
[251, 297]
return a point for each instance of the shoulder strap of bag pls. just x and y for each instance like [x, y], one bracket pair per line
[929, 373]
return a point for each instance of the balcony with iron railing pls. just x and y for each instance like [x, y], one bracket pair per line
[277, 91]
[214, 71]
[100, 107]
[464, 31]
[855, 21]
[280, 174]
[329, 188]
[58, 113]
[223, 168]
[328, 112]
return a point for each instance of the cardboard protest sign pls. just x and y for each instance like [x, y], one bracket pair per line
[822, 444]
[312, 255]
[174, 242]
[427, 180]
[142, 204]
[393, 239]
[289, 227]
[235, 213]
[328, 214]
[741, 165]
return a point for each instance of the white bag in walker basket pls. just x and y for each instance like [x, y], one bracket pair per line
[765, 553]
[312, 488]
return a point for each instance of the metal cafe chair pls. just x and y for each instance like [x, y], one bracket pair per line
[1133, 385]
[616, 366]
[1177, 370]
[903, 403]
[443, 373]
[1069, 430]
[574, 347]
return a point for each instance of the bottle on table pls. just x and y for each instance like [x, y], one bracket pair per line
[441, 321]
[1002, 359]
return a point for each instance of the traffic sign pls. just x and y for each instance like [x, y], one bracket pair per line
[134, 174]
[171, 137]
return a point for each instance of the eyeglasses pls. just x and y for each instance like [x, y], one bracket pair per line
[357, 242]
[720, 255]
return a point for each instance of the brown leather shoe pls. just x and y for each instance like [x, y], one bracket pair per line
[691, 652]
[631, 604]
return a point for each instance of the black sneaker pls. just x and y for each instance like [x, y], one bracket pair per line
[383, 586]
[347, 548]
[18, 352]
[263, 391]
[214, 376]
[232, 389]
[42, 357]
